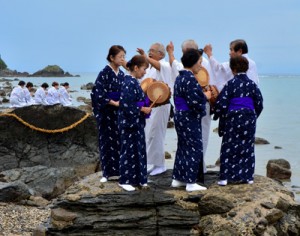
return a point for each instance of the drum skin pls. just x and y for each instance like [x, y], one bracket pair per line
[159, 92]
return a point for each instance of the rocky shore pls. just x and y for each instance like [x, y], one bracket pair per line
[49, 185]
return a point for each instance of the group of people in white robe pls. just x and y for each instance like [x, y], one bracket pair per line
[22, 94]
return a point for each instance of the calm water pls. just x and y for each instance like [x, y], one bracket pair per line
[279, 122]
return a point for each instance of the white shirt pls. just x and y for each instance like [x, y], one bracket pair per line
[17, 97]
[65, 98]
[164, 74]
[177, 66]
[53, 96]
[28, 98]
[223, 72]
[40, 96]
[156, 125]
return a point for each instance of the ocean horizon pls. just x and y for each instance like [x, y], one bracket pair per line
[278, 123]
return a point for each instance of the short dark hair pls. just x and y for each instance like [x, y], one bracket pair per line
[137, 60]
[21, 83]
[239, 64]
[54, 83]
[45, 85]
[113, 51]
[29, 84]
[65, 84]
[190, 57]
[239, 44]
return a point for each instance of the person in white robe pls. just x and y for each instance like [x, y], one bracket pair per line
[222, 71]
[156, 126]
[17, 96]
[65, 98]
[28, 97]
[40, 95]
[53, 96]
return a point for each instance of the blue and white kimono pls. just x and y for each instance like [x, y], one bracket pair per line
[237, 107]
[190, 105]
[107, 87]
[133, 160]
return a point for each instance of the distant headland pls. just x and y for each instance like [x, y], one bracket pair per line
[48, 71]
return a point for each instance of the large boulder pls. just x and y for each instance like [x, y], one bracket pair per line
[63, 140]
[279, 169]
[89, 207]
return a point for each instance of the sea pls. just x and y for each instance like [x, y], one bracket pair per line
[279, 122]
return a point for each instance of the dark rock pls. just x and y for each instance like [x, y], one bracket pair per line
[45, 181]
[261, 227]
[261, 141]
[268, 205]
[170, 124]
[88, 86]
[279, 169]
[51, 71]
[14, 191]
[168, 155]
[283, 204]
[274, 215]
[13, 73]
[89, 207]
[64, 156]
[215, 204]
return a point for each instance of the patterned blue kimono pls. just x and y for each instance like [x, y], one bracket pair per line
[189, 103]
[133, 160]
[107, 87]
[238, 106]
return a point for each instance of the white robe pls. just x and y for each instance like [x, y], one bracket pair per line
[53, 96]
[40, 96]
[223, 72]
[65, 98]
[156, 125]
[17, 97]
[28, 99]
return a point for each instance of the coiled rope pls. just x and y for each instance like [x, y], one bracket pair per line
[47, 130]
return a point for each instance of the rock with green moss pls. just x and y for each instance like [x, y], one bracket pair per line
[52, 71]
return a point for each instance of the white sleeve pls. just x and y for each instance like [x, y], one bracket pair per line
[176, 67]
[205, 63]
[165, 72]
[221, 71]
[252, 72]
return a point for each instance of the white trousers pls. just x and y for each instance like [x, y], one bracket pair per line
[205, 124]
[155, 131]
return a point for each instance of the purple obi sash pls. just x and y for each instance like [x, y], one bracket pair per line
[239, 103]
[145, 103]
[114, 95]
[181, 104]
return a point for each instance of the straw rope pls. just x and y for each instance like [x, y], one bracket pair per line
[47, 130]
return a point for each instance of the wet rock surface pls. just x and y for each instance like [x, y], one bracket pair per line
[93, 208]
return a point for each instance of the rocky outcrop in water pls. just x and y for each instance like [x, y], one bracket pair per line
[48, 71]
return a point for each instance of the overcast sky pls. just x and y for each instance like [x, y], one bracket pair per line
[76, 34]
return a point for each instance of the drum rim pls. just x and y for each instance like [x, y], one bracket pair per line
[146, 83]
[207, 77]
[164, 97]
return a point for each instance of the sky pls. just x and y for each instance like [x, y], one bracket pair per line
[77, 34]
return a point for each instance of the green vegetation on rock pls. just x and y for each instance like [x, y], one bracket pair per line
[3, 66]
[53, 69]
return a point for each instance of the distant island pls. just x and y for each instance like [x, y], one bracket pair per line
[48, 71]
